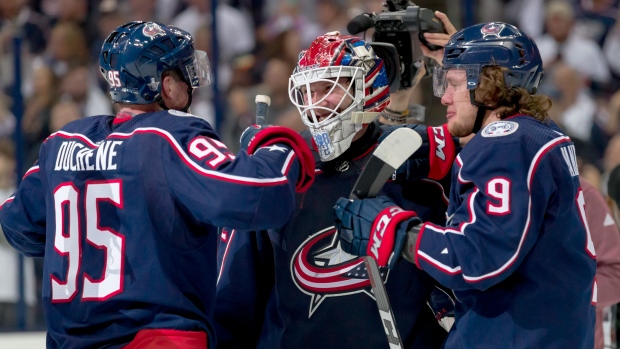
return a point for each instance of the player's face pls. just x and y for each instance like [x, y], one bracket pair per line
[330, 95]
[461, 114]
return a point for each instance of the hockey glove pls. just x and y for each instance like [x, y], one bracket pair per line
[373, 227]
[256, 136]
[434, 158]
[442, 305]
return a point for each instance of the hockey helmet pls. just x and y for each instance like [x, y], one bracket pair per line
[491, 44]
[135, 55]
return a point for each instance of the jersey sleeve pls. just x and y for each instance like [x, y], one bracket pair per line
[493, 219]
[23, 216]
[245, 282]
[244, 191]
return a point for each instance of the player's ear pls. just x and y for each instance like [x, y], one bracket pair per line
[167, 87]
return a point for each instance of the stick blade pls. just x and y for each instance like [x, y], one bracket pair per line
[395, 149]
[398, 146]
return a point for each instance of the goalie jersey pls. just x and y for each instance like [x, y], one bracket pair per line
[516, 249]
[295, 288]
[125, 212]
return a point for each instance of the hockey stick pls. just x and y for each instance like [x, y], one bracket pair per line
[393, 151]
[262, 106]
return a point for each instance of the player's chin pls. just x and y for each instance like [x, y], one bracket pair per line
[458, 129]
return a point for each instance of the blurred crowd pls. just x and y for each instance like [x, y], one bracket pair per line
[258, 44]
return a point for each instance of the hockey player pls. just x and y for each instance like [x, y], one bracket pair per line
[516, 249]
[124, 209]
[295, 287]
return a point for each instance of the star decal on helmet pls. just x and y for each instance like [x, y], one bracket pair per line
[153, 30]
[493, 29]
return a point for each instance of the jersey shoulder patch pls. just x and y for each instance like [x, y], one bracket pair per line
[500, 128]
[180, 113]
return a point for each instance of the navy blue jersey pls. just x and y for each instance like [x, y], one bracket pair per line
[516, 249]
[295, 288]
[125, 214]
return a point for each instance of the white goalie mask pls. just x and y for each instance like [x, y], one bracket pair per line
[338, 86]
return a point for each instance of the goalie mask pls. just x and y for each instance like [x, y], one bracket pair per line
[339, 85]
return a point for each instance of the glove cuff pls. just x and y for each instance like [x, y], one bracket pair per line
[282, 135]
[385, 236]
[442, 151]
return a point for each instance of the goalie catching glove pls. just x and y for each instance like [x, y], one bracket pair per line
[434, 158]
[374, 227]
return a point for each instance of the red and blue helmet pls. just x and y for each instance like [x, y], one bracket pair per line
[353, 69]
[492, 44]
[135, 55]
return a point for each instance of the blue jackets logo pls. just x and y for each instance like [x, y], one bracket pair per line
[321, 269]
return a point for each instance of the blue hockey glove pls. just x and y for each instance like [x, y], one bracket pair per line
[373, 227]
[442, 305]
[434, 158]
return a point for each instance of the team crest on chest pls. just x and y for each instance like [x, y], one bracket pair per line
[179, 113]
[321, 269]
[500, 128]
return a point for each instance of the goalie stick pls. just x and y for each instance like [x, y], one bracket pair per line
[393, 151]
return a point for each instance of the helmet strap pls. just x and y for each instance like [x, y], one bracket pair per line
[481, 111]
[189, 98]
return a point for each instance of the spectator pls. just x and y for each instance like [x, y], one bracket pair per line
[16, 18]
[9, 287]
[562, 43]
[613, 191]
[63, 113]
[66, 50]
[595, 18]
[80, 87]
[7, 119]
[332, 15]
[611, 47]
[79, 12]
[35, 122]
[574, 109]
[285, 15]
[235, 32]
[606, 239]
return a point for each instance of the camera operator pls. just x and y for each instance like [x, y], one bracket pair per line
[400, 100]
[294, 287]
